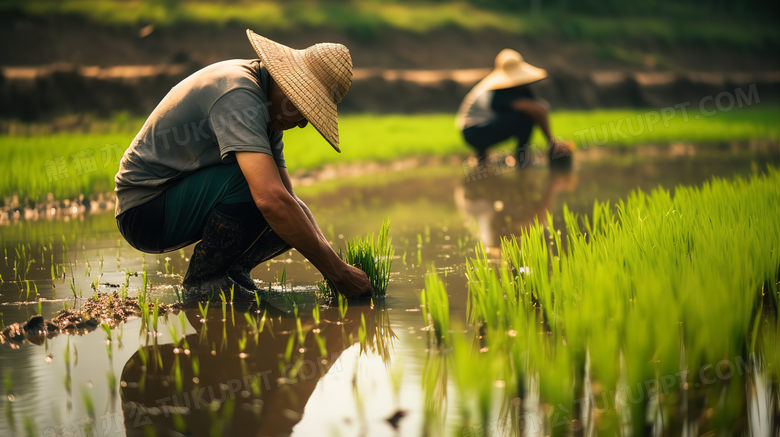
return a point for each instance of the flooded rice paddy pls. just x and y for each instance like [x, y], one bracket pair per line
[295, 365]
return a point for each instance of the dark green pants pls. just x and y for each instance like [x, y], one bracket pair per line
[175, 219]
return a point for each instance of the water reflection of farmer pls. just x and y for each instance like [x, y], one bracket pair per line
[503, 206]
[502, 106]
[208, 165]
[235, 378]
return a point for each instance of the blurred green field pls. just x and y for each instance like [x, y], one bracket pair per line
[708, 22]
[30, 164]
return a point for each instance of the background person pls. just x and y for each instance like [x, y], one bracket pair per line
[502, 106]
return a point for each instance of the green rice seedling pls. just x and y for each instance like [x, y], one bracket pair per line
[76, 294]
[251, 321]
[436, 307]
[283, 279]
[224, 304]
[627, 287]
[257, 300]
[176, 338]
[155, 314]
[176, 291]
[372, 255]
[343, 305]
[232, 290]
[204, 309]
[145, 279]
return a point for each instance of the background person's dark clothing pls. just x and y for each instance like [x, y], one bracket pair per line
[497, 121]
[506, 125]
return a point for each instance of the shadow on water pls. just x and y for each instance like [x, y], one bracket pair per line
[256, 372]
[374, 373]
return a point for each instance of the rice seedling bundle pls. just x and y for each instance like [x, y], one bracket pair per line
[372, 255]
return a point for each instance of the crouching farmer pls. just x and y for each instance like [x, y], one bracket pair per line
[208, 165]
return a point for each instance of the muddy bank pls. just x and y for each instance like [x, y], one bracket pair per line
[63, 39]
[40, 93]
[102, 308]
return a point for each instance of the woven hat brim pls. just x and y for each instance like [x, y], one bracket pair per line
[288, 69]
[527, 74]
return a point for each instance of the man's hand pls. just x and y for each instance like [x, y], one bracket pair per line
[353, 282]
[286, 217]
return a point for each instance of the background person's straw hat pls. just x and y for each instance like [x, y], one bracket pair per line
[315, 79]
[511, 70]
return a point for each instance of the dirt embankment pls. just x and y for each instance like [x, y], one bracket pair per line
[59, 67]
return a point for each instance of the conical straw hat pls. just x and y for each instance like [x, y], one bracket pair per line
[315, 79]
[511, 70]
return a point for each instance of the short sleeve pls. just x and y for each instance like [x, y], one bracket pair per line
[239, 120]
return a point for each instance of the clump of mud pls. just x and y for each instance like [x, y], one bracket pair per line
[102, 308]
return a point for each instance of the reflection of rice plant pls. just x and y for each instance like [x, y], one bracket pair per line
[434, 381]
[379, 335]
[315, 313]
[29, 427]
[89, 405]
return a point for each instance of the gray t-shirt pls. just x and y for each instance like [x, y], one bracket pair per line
[201, 122]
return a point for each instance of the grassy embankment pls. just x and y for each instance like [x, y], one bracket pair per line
[364, 138]
[367, 20]
[636, 295]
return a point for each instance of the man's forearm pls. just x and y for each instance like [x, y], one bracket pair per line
[293, 222]
[310, 216]
[538, 113]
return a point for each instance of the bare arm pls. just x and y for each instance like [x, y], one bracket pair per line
[285, 176]
[538, 111]
[286, 217]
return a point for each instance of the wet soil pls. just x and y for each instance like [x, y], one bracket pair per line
[101, 308]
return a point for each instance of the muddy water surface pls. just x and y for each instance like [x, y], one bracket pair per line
[350, 371]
